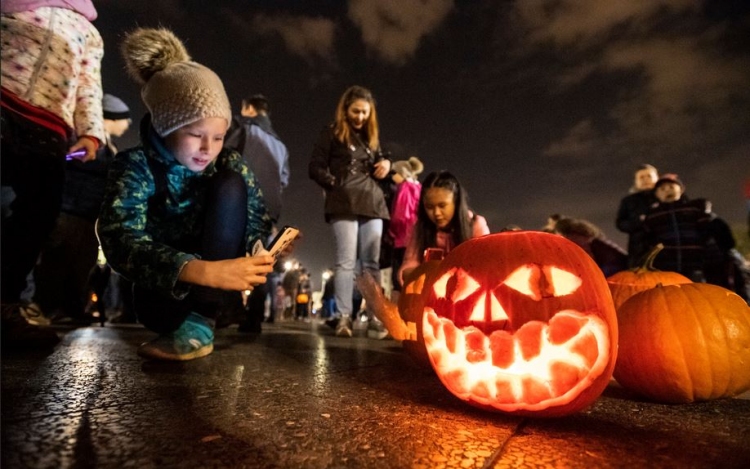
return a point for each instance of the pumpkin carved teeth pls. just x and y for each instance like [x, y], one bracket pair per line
[542, 364]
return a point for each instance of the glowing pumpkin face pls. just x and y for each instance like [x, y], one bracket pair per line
[521, 322]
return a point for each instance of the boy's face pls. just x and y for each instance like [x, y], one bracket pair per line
[196, 145]
[668, 192]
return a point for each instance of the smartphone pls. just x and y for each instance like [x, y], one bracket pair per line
[76, 155]
[433, 254]
[283, 238]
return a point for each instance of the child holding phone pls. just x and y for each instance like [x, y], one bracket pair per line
[180, 211]
[443, 220]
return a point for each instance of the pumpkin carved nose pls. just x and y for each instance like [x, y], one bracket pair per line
[546, 287]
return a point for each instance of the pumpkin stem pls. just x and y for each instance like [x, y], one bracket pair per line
[647, 263]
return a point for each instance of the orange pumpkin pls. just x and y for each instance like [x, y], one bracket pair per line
[627, 283]
[684, 343]
[521, 322]
[411, 307]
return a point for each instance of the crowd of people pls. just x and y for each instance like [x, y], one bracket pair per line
[162, 230]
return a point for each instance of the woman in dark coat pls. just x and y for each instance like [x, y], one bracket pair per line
[347, 162]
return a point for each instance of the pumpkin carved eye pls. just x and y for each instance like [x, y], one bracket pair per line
[464, 285]
[538, 283]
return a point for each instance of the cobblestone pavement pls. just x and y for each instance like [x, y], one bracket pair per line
[295, 396]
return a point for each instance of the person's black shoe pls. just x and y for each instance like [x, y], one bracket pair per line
[230, 311]
[332, 322]
[250, 326]
[18, 334]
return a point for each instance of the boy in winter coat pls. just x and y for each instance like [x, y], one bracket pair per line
[180, 212]
[681, 225]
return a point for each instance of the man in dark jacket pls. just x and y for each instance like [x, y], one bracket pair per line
[632, 207]
[252, 135]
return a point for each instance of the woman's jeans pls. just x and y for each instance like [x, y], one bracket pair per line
[356, 238]
[223, 238]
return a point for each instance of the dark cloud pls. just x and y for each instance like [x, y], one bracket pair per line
[393, 28]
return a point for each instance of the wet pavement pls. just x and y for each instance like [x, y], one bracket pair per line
[295, 396]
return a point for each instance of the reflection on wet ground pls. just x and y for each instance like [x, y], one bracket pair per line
[296, 396]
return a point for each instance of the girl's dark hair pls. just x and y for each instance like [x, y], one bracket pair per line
[341, 126]
[459, 227]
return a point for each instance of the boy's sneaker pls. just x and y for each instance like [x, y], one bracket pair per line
[376, 329]
[193, 339]
[344, 327]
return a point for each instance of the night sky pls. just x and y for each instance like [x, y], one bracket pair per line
[538, 106]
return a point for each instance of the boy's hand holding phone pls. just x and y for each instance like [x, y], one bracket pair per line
[281, 244]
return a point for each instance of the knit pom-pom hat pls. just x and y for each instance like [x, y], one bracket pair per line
[408, 169]
[176, 90]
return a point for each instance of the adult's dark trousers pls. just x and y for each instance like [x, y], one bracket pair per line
[223, 238]
[33, 174]
[61, 276]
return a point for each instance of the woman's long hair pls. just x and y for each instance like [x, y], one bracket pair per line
[341, 128]
[460, 225]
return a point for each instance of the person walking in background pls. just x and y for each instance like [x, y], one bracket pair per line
[180, 212]
[253, 136]
[329, 297]
[403, 213]
[444, 220]
[303, 298]
[347, 162]
[51, 105]
[68, 257]
[681, 225]
[632, 207]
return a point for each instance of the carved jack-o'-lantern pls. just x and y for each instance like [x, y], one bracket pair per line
[521, 322]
